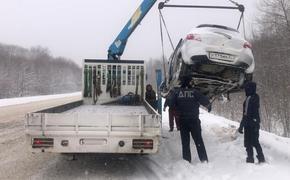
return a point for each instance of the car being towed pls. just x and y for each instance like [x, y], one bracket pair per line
[217, 58]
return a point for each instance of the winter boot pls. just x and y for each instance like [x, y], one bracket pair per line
[261, 159]
[250, 160]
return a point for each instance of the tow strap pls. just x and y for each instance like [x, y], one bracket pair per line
[163, 23]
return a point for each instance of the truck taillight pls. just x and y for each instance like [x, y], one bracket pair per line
[247, 45]
[195, 37]
[142, 143]
[42, 142]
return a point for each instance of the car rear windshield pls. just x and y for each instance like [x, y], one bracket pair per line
[217, 26]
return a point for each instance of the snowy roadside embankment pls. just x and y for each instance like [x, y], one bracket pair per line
[24, 100]
[272, 141]
[226, 154]
[224, 147]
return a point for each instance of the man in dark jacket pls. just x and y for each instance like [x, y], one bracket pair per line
[187, 101]
[172, 113]
[150, 96]
[251, 123]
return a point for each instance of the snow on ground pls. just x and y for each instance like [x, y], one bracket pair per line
[24, 100]
[226, 153]
[224, 148]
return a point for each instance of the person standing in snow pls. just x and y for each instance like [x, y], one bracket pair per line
[251, 123]
[187, 101]
[172, 113]
[150, 96]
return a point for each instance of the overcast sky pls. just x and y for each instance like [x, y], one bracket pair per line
[80, 29]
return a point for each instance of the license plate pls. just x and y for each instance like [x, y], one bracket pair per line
[222, 57]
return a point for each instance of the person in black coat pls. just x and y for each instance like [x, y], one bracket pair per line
[251, 123]
[172, 113]
[150, 96]
[187, 101]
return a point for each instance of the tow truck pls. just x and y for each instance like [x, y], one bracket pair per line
[113, 115]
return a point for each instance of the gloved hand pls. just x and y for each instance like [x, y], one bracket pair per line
[209, 108]
[240, 130]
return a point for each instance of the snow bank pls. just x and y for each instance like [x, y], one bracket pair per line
[226, 154]
[277, 143]
[224, 147]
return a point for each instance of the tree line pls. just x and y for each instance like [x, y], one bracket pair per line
[30, 72]
[271, 48]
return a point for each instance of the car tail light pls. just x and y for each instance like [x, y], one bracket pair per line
[142, 144]
[42, 142]
[247, 45]
[195, 37]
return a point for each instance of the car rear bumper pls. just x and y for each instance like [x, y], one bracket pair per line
[216, 78]
[240, 58]
[202, 67]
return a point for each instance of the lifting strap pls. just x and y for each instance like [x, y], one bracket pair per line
[237, 6]
[162, 47]
[242, 18]
[163, 23]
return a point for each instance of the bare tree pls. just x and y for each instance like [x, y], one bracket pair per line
[26, 72]
[271, 42]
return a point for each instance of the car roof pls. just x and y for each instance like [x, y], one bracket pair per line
[217, 26]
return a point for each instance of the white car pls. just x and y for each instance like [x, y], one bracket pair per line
[218, 59]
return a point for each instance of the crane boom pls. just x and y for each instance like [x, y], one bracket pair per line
[117, 48]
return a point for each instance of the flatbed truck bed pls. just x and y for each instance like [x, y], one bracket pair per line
[101, 122]
[93, 129]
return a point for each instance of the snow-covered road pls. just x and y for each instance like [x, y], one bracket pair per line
[225, 151]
